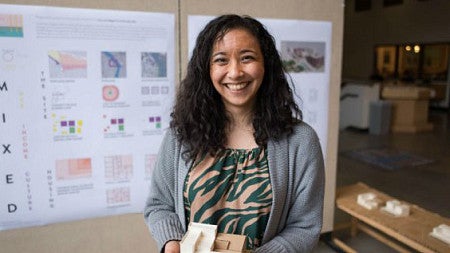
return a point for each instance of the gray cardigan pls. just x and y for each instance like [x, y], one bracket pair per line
[297, 176]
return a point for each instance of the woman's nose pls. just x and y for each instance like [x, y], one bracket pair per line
[235, 69]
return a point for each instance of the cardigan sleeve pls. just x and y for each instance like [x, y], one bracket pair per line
[159, 211]
[300, 230]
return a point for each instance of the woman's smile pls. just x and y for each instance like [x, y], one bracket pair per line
[236, 86]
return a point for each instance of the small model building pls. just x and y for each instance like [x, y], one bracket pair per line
[203, 238]
[229, 243]
[368, 200]
[442, 232]
[396, 208]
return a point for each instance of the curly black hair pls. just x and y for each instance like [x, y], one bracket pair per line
[199, 115]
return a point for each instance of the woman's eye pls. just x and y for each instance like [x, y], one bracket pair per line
[220, 60]
[248, 58]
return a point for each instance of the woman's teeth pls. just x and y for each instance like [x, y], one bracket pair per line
[237, 86]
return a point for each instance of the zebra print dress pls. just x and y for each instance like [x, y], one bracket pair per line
[231, 190]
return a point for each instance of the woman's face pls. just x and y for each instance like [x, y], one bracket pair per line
[237, 69]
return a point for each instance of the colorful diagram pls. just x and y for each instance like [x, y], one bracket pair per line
[154, 64]
[11, 25]
[155, 122]
[114, 65]
[69, 169]
[67, 64]
[114, 125]
[118, 168]
[64, 126]
[110, 93]
[152, 125]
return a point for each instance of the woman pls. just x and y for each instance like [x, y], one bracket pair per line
[237, 154]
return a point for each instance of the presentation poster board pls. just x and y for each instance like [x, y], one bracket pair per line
[305, 49]
[85, 97]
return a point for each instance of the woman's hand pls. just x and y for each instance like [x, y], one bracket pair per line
[172, 247]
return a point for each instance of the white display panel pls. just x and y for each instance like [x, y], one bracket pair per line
[305, 47]
[85, 98]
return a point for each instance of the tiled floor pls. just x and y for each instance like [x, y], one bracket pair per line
[427, 186]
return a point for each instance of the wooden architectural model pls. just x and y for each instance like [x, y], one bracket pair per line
[368, 200]
[396, 208]
[442, 232]
[203, 238]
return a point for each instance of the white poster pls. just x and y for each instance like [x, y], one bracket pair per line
[304, 47]
[85, 97]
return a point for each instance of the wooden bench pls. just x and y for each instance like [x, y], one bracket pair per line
[413, 230]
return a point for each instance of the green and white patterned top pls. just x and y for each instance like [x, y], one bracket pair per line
[231, 190]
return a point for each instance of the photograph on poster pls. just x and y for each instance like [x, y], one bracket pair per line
[153, 64]
[114, 65]
[11, 25]
[67, 64]
[302, 56]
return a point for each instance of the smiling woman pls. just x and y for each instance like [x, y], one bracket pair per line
[238, 154]
[237, 70]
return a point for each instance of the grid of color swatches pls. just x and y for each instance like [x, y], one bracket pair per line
[70, 126]
[120, 123]
[156, 121]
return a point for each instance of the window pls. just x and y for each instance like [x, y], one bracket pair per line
[413, 62]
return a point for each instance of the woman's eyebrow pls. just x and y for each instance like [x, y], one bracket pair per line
[218, 53]
[247, 51]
